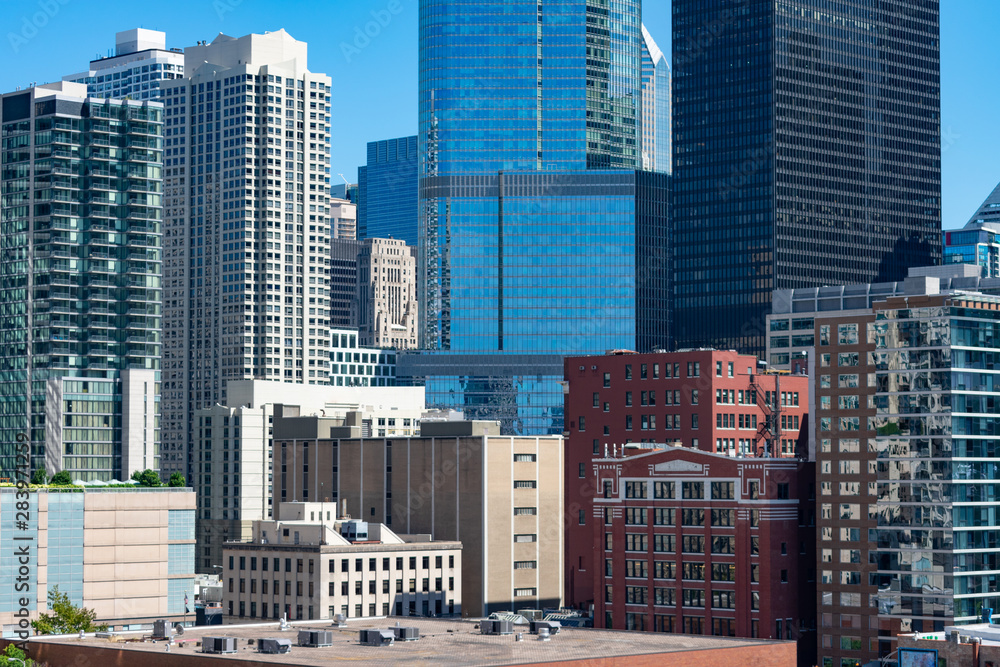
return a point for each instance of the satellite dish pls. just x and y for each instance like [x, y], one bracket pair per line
[179, 629]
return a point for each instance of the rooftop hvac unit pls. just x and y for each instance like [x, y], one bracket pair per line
[551, 626]
[218, 645]
[314, 638]
[496, 627]
[377, 637]
[270, 645]
[406, 634]
[162, 629]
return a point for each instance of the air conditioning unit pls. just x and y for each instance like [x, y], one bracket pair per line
[496, 627]
[273, 646]
[314, 638]
[376, 637]
[162, 629]
[410, 634]
[551, 626]
[218, 645]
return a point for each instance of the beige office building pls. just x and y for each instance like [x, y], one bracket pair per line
[500, 496]
[387, 294]
[126, 553]
[311, 564]
[233, 447]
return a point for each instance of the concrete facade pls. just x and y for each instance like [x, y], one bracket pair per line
[246, 264]
[500, 496]
[234, 450]
[307, 565]
[126, 553]
[387, 294]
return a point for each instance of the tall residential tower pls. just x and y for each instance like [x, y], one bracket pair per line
[247, 228]
[80, 271]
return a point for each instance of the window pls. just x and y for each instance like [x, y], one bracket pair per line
[635, 542]
[723, 572]
[525, 484]
[664, 543]
[693, 597]
[692, 517]
[525, 565]
[628, 399]
[693, 544]
[525, 511]
[628, 371]
[694, 571]
[663, 490]
[607, 380]
[531, 458]
[723, 517]
[635, 516]
[723, 490]
[597, 399]
[636, 568]
[642, 371]
[524, 592]
[635, 489]
[526, 537]
[583, 423]
[663, 516]
[692, 490]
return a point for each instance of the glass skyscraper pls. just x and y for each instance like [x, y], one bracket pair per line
[979, 241]
[656, 153]
[538, 236]
[387, 191]
[806, 153]
[80, 269]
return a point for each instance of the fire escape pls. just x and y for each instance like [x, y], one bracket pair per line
[767, 439]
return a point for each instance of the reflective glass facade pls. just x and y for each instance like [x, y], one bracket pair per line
[656, 135]
[537, 235]
[937, 447]
[80, 267]
[387, 191]
[806, 153]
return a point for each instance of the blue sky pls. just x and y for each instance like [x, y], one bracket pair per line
[374, 82]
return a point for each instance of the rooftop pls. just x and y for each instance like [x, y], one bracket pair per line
[443, 641]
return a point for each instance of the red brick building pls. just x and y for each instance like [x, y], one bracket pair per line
[710, 400]
[707, 544]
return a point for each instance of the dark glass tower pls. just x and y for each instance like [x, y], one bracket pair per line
[806, 153]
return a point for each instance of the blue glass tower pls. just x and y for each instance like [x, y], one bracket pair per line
[387, 189]
[539, 237]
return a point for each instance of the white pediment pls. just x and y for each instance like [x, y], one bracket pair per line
[679, 466]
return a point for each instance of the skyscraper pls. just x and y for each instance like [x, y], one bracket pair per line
[247, 228]
[656, 153]
[979, 241]
[806, 153]
[140, 62]
[538, 236]
[387, 189]
[80, 281]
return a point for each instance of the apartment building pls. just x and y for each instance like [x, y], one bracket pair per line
[708, 400]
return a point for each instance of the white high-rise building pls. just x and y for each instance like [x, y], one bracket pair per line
[246, 226]
[656, 110]
[343, 219]
[140, 62]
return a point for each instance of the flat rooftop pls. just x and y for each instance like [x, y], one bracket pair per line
[443, 641]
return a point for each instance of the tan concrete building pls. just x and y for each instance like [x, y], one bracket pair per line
[311, 564]
[500, 496]
[387, 294]
[233, 449]
[343, 219]
[126, 553]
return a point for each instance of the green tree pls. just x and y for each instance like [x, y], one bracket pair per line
[147, 478]
[66, 618]
[12, 655]
[177, 479]
[61, 478]
[38, 477]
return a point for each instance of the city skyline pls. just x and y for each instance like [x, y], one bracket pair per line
[34, 48]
